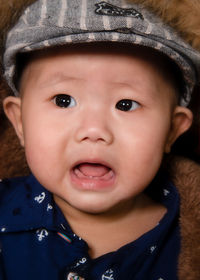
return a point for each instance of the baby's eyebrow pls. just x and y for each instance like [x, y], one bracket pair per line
[137, 85]
[56, 78]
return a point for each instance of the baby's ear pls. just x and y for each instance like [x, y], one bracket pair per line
[181, 122]
[12, 109]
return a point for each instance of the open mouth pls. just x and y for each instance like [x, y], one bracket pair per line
[93, 171]
[92, 176]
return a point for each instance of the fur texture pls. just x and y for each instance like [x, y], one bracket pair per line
[183, 15]
[186, 176]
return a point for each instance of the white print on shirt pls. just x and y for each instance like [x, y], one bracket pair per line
[63, 226]
[152, 249]
[108, 275]
[166, 192]
[40, 197]
[160, 279]
[49, 207]
[41, 234]
[82, 261]
[3, 229]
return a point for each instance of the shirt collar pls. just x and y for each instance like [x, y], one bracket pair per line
[26, 205]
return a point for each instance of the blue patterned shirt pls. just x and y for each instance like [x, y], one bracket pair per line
[36, 241]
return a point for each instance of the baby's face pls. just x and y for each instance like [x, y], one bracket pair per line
[95, 125]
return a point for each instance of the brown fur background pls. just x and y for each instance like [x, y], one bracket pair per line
[12, 159]
[182, 15]
[186, 176]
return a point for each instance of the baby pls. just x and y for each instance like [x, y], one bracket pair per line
[100, 95]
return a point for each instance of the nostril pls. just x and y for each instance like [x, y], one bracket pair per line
[94, 134]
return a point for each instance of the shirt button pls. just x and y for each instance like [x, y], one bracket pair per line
[74, 276]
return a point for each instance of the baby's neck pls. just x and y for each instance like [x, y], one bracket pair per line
[108, 232]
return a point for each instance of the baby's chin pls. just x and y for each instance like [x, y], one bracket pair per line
[89, 205]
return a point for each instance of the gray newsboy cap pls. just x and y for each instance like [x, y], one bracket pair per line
[48, 23]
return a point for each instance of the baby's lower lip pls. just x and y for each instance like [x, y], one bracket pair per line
[92, 181]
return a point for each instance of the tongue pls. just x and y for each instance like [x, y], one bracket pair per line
[95, 170]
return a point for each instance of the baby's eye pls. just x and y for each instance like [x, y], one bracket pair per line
[127, 105]
[64, 101]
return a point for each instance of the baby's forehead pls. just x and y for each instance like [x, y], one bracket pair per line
[159, 62]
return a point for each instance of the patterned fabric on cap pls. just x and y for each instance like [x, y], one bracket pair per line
[48, 23]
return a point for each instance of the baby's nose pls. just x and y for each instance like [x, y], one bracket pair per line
[94, 128]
